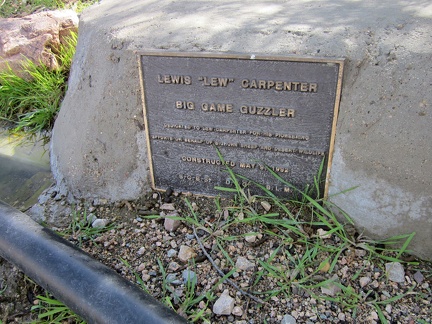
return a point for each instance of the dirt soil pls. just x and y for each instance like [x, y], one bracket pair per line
[139, 247]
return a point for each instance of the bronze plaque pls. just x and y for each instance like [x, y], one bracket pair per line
[257, 111]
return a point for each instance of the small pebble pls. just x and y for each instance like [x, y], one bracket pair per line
[171, 277]
[194, 206]
[360, 253]
[323, 234]
[331, 288]
[169, 207]
[91, 218]
[189, 276]
[374, 315]
[266, 205]
[288, 319]
[237, 311]
[171, 224]
[186, 253]
[364, 281]
[173, 266]
[251, 237]
[171, 253]
[418, 277]
[395, 271]
[388, 309]
[100, 223]
[145, 277]
[224, 305]
[244, 264]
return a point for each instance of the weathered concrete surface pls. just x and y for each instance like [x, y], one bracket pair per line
[383, 133]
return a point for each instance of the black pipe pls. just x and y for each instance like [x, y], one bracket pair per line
[89, 288]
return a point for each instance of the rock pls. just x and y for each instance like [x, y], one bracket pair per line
[244, 264]
[141, 251]
[288, 319]
[331, 289]
[141, 267]
[167, 207]
[388, 308]
[35, 37]
[323, 234]
[173, 266]
[172, 279]
[364, 281]
[186, 253]
[395, 271]
[91, 218]
[226, 214]
[237, 311]
[171, 224]
[418, 277]
[100, 223]
[224, 305]
[341, 317]
[189, 276]
[171, 253]
[100, 105]
[360, 253]
[202, 304]
[265, 205]
[194, 206]
[250, 238]
[373, 316]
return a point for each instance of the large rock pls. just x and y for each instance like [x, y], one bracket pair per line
[36, 37]
[383, 131]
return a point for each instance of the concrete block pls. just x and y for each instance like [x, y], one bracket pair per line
[383, 132]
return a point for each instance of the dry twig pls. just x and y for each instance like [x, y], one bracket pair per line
[222, 274]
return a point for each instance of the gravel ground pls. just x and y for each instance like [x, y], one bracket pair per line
[169, 257]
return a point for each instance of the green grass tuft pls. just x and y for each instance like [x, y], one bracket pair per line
[32, 102]
[51, 310]
[81, 229]
[309, 260]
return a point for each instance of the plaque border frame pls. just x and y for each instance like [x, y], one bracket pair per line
[260, 57]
